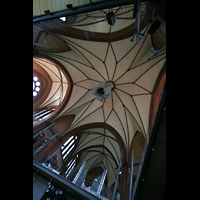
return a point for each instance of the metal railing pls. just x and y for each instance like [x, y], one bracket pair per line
[139, 169]
[158, 95]
[100, 5]
[79, 179]
[96, 184]
[86, 18]
[62, 181]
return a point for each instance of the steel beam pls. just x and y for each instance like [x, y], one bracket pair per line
[130, 185]
[138, 20]
[46, 143]
[162, 50]
[41, 45]
[43, 130]
[137, 14]
[104, 4]
[117, 174]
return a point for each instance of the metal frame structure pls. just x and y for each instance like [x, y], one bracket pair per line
[137, 16]
[47, 142]
[149, 147]
[130, 185]
[43, 130]
[63, 183]
[117, 175]
[104, 4]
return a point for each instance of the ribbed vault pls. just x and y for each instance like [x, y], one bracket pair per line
[99, 148]
[125, 64]
[59, 83]
[55, 91]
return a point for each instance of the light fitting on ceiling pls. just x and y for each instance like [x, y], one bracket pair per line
[110, 17]
[119, 171]
[47, 12]
[103, 90]
[69, 6]
[63, 19]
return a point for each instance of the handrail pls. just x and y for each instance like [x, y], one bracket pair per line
[43, 130]
[63, 181]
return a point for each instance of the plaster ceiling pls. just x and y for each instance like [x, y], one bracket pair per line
[127, 109]
[125, 64]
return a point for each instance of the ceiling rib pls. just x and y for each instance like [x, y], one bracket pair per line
[88, 142]
[113, 147]
[126, 106]
[41, 64]
[84, 55]
[87, 109]
[122, 127]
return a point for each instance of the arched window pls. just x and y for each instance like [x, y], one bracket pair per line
[41, 114]
[36, 86]
[70, 166]
[68, 146]
[52, 87]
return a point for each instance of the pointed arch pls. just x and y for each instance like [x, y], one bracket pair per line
[137, 144]
[65, 99]
[98, 125]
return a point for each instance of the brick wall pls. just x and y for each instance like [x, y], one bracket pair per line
[156, 96]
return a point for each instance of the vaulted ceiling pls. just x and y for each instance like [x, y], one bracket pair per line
[127, 110]
[59, 83]
[99, 148]
[125, 64]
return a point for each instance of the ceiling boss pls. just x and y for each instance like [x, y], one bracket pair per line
[103, 90]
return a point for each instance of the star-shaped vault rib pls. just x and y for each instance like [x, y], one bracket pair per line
[127, 109]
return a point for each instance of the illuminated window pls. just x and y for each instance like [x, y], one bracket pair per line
[36, 86]
[68, 146]
[42, 114]
[70, 166]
